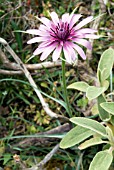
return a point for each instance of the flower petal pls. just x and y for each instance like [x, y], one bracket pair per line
[65, 17]
[83, 22]
[67, 54]
[54, 17]
[86, 30]
[72, 52]
[91, 36]
[45, 21]
[83, 42]
[80, 51]
[33, 31]
[74, 19]
[56, 53]
[36, 39]
[38, 32]
[47, 51]
[38, 51]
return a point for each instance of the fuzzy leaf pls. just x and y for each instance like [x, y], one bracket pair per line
[101, 161]
[91, 142]
[75, 136]
[104, 115]
[89, 124]
[93, 92]
[108, 106]
[81, 86]
[105, 64]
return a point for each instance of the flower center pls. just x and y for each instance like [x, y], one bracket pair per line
[61, 31]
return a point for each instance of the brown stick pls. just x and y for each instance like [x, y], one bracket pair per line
[40, 165]
[46, 140]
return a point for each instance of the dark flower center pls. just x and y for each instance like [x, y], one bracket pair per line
[61, 31]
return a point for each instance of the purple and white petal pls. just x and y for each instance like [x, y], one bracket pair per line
[33, 31]
[67, 54]
[83, 42]
[54, 17]
[38, 32]
[45, 21]
[86, 30]
[56, 53]
[38, 51]
[83, 22]
[74, 19]
[47, 51]
[65, 17]
[80, 51]
[91, 36]
[36, 39]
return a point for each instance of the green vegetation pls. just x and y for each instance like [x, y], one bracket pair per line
[23, 121]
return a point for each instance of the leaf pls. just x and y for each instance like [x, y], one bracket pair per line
[93, 92]
[81, 86]
[6, 158]
[75, 136]
[110, 134]
[108, 106]
[104, 115]
[105, 64]
[112, 119]
[90, 124]
[105, 84]
[101, 161]
[91, 142]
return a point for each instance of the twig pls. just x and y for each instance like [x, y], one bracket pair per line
[15, 66]
[31, 81]
[8, 72]
[44, 141]
[40, 165]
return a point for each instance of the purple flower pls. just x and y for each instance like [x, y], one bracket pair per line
[63, 34]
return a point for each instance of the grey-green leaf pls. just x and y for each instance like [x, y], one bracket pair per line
[91, 142]
[104, 115]
[81, 86]
[105, 64]
[90, 124]
[93, 92]
[75, 136]
[108, 106]
[101, 161]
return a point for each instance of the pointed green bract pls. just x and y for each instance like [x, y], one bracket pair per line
[91, 142]
[108, 106]
[93, 92]
[81, 86]
[75, 136]
[101, 161]
[90, 124]
[105, 64]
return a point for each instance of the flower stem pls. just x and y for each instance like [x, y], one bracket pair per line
[64, 88]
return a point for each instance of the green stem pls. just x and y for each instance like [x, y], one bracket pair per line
[64, 88]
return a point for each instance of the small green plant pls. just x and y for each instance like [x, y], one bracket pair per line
[97, 132]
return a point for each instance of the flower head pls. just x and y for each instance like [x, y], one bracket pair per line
[63, 34]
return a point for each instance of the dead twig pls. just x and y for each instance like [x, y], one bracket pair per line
[44, 140]
[40, 165]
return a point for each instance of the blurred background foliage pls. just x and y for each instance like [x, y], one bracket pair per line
[20, 110]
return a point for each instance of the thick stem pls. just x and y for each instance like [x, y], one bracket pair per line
[64, 88]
